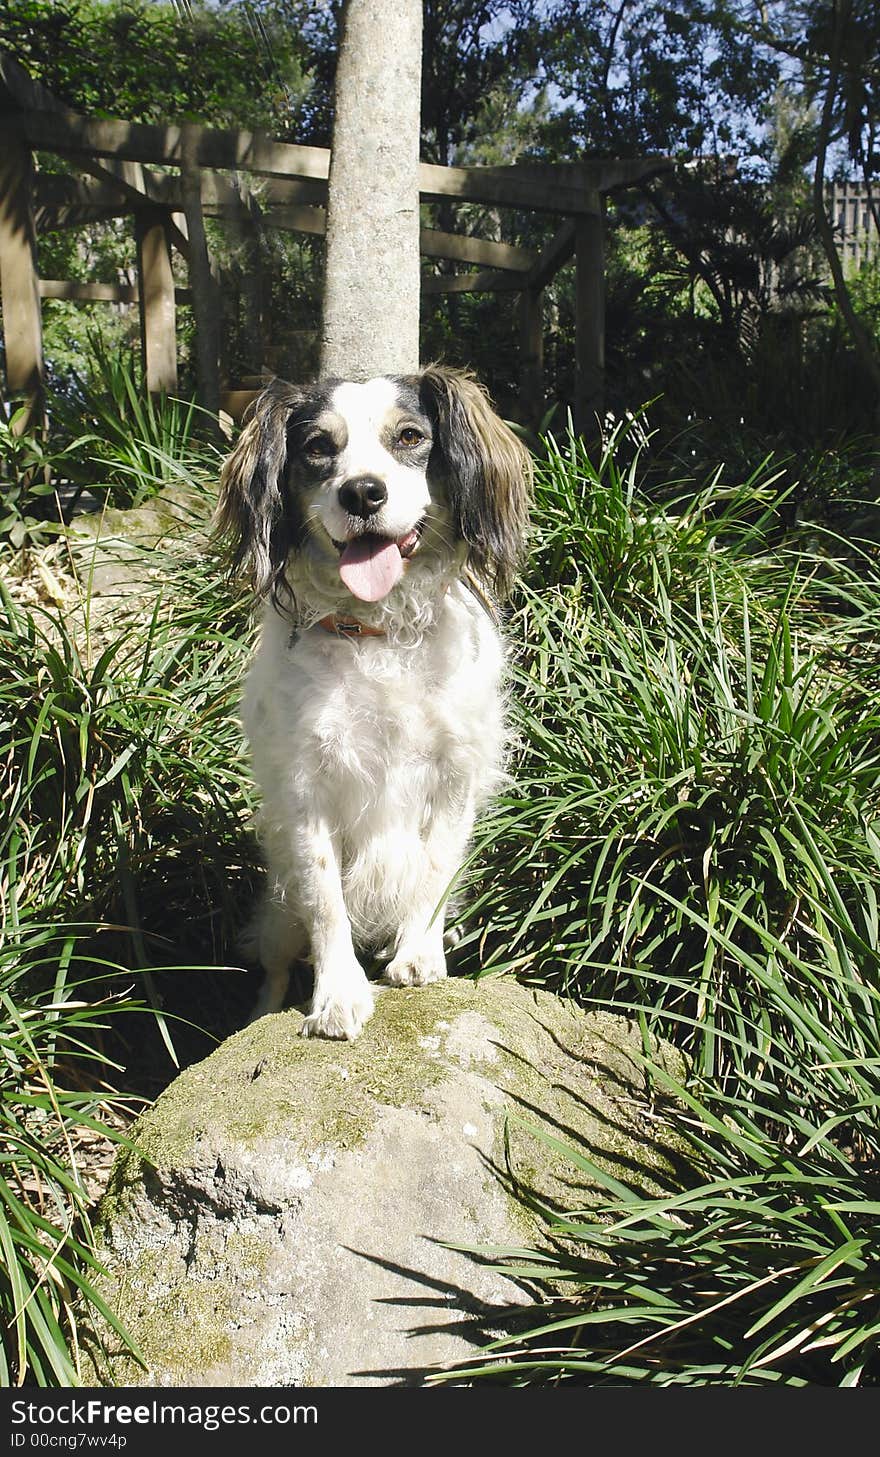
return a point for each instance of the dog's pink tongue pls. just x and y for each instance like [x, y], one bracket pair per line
[370, 566]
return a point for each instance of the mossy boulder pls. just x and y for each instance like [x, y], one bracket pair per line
[118, 552]
[283, 1217]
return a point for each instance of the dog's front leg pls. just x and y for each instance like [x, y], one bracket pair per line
[419, 954]
[342, 1000]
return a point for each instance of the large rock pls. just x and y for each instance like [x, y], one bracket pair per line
[282, 1218]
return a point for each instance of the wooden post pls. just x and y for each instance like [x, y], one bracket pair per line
[244, 227]
[156, 288]
[589, 390]
[202, 283]
[19, 278]
[531, 319]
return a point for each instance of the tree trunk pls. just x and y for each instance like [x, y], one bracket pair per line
[371, 287]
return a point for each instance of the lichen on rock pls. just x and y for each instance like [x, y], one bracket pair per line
[285, 1213]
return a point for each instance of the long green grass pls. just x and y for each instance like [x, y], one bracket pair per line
[54, 1106]
[691, 838]
[698, 759]
[127, 444]
[123, 839]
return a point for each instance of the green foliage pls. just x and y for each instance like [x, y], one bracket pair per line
[136, 444]
[123, 839]
[162, 62]
[691, 748]
[764, 1269]
[105, 435]
[721, 299]
[48, 1295]
[27, 492]
[121, 758]
[691, 839]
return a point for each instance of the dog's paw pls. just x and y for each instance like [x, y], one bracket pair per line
[340, 1016]
[416, 967]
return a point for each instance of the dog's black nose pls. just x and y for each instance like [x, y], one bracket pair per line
[363, 496]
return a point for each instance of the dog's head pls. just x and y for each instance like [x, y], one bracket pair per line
[367, 481]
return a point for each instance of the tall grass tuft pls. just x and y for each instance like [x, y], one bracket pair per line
[692, 838]
[698, 760]
[125, 849]
[126, 445]
[54, 1106]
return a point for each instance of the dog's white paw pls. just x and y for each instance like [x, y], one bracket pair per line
[416, 967]
[340, 1015]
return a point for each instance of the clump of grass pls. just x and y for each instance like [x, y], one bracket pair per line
[128, 445]
[691, 838]
[698, 760]
[122, 762]
[125, 849]
[54, 1007]
[765, 1267]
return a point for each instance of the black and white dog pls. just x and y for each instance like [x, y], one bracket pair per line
[379, 520]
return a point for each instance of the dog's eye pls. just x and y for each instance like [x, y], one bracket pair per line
[409, 436]
[318, 447]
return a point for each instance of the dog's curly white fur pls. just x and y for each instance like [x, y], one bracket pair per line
[366, 515]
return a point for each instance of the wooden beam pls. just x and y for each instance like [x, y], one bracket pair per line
[19, 280]
[55, 219]
[432, 242]
[202, 282]
[21, 93]
[551, 187]
[235, 402]
[139, 185]
[111, 293]
[156, 285]
[220, 199]
[483, 251]
[489, 281]
[557, 252]
[56, 189]
[248, 299]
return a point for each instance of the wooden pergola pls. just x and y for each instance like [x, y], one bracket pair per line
[117, 162]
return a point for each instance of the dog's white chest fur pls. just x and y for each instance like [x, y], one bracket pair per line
[384, 743]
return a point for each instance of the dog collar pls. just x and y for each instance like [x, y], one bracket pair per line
[348, 626]
[352, 627]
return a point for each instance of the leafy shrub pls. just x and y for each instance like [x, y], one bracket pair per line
[28, 504]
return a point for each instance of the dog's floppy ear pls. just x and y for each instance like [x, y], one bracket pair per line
[254, 516]
[487, 471]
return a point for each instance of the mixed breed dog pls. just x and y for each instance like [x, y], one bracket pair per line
[380, 522]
